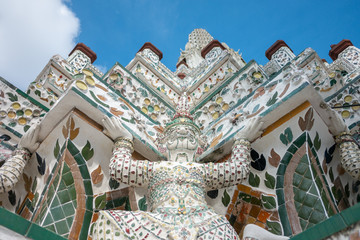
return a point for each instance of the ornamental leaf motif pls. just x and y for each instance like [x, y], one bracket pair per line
[56, 149]
[269, 181]
[254, 180]
[317, 142]
[96, 175]
[274, 158]
[87, 151]
[287, 136]
[41, 164]
[307, 122]
[73, 131]
[225, 199]
[27, 182]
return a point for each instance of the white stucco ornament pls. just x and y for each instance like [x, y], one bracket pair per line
[176, 187]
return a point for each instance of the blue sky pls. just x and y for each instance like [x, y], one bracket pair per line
[116, 30]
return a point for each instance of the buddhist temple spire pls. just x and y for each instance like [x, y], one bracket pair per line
[198, 39]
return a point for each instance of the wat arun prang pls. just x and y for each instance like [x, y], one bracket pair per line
[303, 169]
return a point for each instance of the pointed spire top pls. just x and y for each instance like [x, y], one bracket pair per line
[199, 38]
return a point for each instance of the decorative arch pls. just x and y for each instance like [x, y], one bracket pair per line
[303, 196]
[66, 206]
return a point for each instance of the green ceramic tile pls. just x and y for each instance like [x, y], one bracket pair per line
[70, 221]
[84, 172]
[287, 157]
[74, 203]
[62, 186]
[51, 192]
[292, 149]
[317, 217]
[279, 182]
[309, 142]
[65, 168]
[68, 209]
[61, 227]
[281, 169]
[255, 201]
[313, 151]
[89, 203]
[302, 168]
[280, 196]
[305, 212]
[318, 205]
[79, 159]
[318, 182]
[72, 192]
[56, 180]
[303, 223]
[63, 196]
[330, 211]
[297, 179]
[300, 140]
[304, 160]
[28, 203]
[68, 178]
[313, 190]
[48, 220]
[305, 184]
[308, 174]
[55, 202]
[88, 187]
[352, 214]
[37, 232]
[72, 148]
[109, 205]
[243, 196]
[86, 224]
[57, 213]
[310, 200]
[51, 228]
[284, 220]
[310, 225]
[297, 205]
[13, 221]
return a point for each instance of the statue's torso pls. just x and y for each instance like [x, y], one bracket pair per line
[177, 188]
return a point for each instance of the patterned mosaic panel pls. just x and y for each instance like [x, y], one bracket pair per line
[62, 205]
[153, 60]
[206, 67]
[303, 195]
[259, 102]
[156, 82]
[347, 102]
[253, 207]
[222, 73]
[66, 204]
[308, 202]
[138, 95]
[18, 111]
[226, 95]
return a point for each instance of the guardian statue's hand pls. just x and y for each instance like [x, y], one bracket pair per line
[30, 139]
[251, 131]
[115, 129]
[337, 124]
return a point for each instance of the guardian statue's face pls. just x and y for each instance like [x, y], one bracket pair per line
[182, 137]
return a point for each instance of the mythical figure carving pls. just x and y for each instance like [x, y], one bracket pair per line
[13, 168]
[177, 187]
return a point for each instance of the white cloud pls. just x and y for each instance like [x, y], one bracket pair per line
[31, 32]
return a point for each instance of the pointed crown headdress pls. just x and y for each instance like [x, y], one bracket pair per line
[182, 115]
